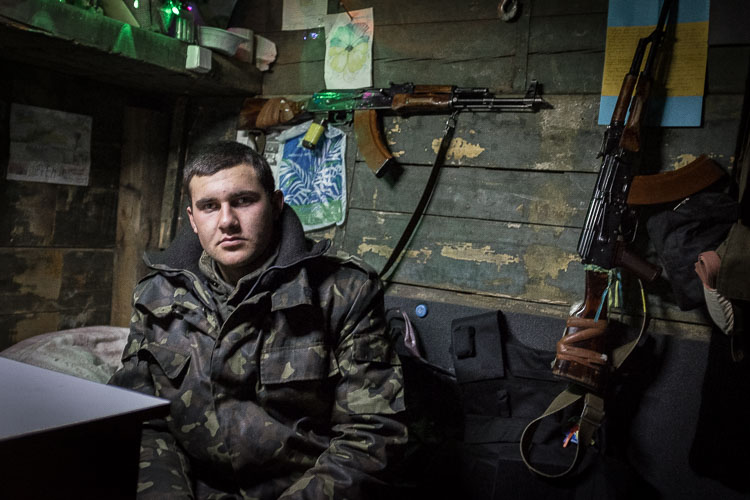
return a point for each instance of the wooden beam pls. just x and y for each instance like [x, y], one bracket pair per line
[145, 150]
[170, 205]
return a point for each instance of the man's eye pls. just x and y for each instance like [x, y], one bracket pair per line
[243, 200]
[208, 207]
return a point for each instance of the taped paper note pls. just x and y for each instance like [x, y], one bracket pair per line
[49, 146]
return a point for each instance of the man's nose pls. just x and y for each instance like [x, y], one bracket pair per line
[227, 217]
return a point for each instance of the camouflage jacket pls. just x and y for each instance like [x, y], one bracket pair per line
[297, 394]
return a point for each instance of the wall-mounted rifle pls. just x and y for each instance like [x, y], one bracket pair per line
[365, 107]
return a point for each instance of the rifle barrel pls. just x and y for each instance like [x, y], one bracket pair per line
[496, 103]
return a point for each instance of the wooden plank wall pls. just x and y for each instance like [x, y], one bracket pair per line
[502, 227]
[58, 242]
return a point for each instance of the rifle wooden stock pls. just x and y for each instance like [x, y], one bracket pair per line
[581, 351]
[258, 113]
[251, 108]
[370, 143]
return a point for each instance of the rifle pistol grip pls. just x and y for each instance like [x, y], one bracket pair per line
[645, 270]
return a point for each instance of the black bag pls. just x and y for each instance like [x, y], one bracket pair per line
[505, 381]
[697, 224]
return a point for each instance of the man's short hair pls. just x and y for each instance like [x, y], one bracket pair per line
[227, 154]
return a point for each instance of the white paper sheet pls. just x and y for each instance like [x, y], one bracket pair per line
[348, 62]
[47, 145]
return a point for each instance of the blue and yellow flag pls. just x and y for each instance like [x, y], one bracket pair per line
[630, 20]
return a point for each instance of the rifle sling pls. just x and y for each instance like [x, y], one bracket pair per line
[675, 185]
[424, 200]
[592, 414]
[591, 418]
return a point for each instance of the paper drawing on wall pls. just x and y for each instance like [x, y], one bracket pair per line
[348, 62]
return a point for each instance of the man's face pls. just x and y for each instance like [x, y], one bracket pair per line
[234, 218]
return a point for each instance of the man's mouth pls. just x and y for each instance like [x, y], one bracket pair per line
[231, 241]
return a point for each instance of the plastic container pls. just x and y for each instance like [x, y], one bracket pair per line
[222, 41]
[245, 50]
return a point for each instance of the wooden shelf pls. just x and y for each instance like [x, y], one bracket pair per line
[71, 40]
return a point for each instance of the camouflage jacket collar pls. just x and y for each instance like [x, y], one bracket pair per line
[183, 255]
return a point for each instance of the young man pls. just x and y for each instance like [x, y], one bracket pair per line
[273, 354]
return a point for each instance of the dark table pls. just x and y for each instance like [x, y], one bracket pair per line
[66, 437]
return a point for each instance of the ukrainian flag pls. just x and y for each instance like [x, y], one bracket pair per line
[684, 70]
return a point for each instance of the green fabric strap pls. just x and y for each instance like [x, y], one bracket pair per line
[591, 418]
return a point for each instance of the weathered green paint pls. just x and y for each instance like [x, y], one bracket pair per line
[83, 286]
[481, 39]
[517, 261]
[568, 73]
[534, 197]
[585, 33]
[57, 241]
[565, 138]
[307, 77]
[398, 42]
[415, 13]
[483, 256]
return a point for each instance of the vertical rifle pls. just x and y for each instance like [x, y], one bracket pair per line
[610, 223]
[582, 356]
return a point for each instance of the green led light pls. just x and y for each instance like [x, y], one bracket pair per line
[175, 10]
[135, 4]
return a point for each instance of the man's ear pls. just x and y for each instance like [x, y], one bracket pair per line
[277, 200]
[190, 218]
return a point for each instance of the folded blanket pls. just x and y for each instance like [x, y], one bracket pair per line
[91, 352]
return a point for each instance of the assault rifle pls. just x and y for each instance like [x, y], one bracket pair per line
[611, 220]
[363, 106]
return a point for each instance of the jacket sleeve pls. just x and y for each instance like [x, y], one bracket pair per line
[368, 434]
[163, 468]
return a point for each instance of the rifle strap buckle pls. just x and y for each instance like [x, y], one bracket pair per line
[592, 416]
